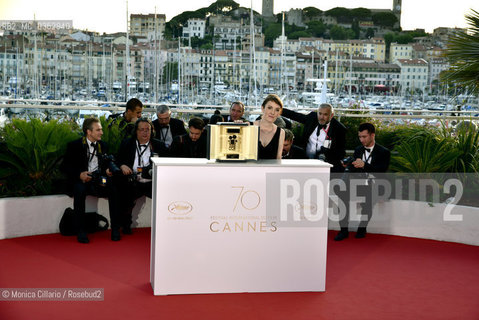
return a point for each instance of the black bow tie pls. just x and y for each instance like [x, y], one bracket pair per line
[143, 145]
[93, 145]
[367, 149]
[320, 126]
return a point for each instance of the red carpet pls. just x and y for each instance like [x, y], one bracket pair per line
[379, 277]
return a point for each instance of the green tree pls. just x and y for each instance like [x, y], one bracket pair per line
[356, 29]
[272, 32]
[339, 33]
[312, 12]
[404, 38]
[463, 55]
[299, 34]
[341, 14]
[316, 28]
[361, 13]
[370, 33]
[385, 19]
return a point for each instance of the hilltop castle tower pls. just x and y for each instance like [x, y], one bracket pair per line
[397, 7]
[267, 10]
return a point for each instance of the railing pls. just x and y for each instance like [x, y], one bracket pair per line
[116, 107]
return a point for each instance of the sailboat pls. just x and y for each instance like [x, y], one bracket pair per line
[320, 93]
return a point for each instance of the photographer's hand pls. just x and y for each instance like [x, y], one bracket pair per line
[358, 163]
[126, 170]
[84, 176]
[108, 172]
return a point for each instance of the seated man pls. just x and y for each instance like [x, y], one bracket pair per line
[127, 119]
[134, 161]
[193, 144]
[368, 158]
[85, 167]
[236, 112]
[166, 127]
[290, 150]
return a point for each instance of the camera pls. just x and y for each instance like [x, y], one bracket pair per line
[108, 161]
[321, 156]
[105, 161]
[98, 178]
[146, 172]
[348, 162]
[130, 178]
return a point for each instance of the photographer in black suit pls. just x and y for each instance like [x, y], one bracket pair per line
[368, 158]
[290, 150]
[323, 136]
[193, 144]
[166, 127]
[134, 161]
[88, 169]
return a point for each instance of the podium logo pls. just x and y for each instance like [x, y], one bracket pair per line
[180, 208]
[301, 207]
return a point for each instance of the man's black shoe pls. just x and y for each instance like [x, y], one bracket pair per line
[361, 233]
[115, 235]
[127, 230]
[341, 235]
[82, 237]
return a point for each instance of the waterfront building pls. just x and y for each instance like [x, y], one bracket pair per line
[194, 28]
[414, 74]
[399, 51]
[151, 26]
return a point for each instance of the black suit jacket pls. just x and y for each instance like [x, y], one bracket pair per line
[76, 159]
[380, 157]
[337, 134]
[184, 147]
[127, 152]
[177, 128]
[296, 153]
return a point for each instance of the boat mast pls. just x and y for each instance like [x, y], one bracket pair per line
[127, 56]
[253, 53]
[155, 87]
[281, 66]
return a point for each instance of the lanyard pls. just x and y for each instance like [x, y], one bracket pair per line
[163, 137]
[367, 159]
[140, 153]
[318, 134]
[91, 154]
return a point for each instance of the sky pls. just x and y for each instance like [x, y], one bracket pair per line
[110, 15]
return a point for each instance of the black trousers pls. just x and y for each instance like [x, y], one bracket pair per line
[364, 189]
[81, 190]
[129, 193]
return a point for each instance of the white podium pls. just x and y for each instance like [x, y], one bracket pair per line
[238, 227]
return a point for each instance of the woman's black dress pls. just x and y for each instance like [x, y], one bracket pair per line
[271, 150]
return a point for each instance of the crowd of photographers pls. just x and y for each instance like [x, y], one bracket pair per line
[123, 178]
